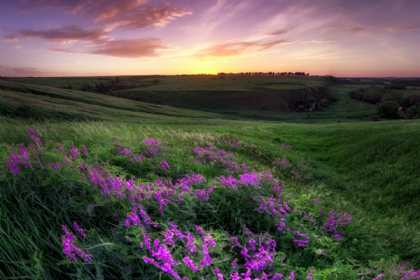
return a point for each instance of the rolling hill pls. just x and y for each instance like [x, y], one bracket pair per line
[334, 159]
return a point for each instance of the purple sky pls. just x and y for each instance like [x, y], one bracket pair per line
[110, 37]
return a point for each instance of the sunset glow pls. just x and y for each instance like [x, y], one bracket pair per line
[135, 37]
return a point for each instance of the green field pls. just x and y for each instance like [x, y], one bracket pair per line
[338, 158]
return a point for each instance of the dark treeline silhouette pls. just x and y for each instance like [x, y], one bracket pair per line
[265, 74]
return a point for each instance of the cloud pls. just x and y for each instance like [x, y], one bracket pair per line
[66, 33]
[278, 32]
[115, 14]
[132, 48]
[128, 48]
[20, 71]
[403, 28]
[147, 16]
[237, 48]
[357, 29]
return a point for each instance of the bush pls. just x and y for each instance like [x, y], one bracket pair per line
[413, 111]
[368, 95]
[389, 109]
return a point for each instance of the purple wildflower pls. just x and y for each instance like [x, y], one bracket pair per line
[164, 165]
[18, 160]
[380, 276]
[35, 137]
[190, 243]
[79, 230]
[138, 157]
[250, 179]
[74, 152]
[186, 182]
[292, 275]
[235, 276]
[152, 147]
[161, 257]
[334, 222]
[203, 194]
[124, 151]
[218, 274]
[13, 164]
[162, 200]
[277, 276]
[190, 264]
[256, 255]
[138, 217]
[84, 151]
[219, 157]
[228, 181]
[411, 275]
[300, 239]
[71, 250]
[309, 276]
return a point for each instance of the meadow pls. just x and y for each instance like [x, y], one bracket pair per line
[105, 185]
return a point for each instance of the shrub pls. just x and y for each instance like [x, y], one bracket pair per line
[389, 109]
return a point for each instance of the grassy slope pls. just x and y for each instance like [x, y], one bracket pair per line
[240, 97]
[367, 168]
[45, 102]
[372, 168]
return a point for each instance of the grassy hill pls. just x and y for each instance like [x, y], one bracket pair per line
[251, 97]
[366, 168]
[43, 102]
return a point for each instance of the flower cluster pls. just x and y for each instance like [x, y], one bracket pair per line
[19, 160]
[187, 182]
[219, 157]
[128, 153]
[70, 249]
[277, 208]
[255, 259]
[177, 252]
[108, 184]
[35, 137]
[75, 153]
[138, 217]
[334, 222]
[247, 179]
[300, 239]
[411, 275]
[251, 179]
[228, 181]
[164, 165]
[152, 147]
[162, 257]
[204, 194]
[257, 255]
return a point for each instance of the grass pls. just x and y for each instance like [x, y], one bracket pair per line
[365, 168]
[27, 100]
[235, 97]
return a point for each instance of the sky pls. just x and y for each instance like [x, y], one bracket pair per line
[141, 37]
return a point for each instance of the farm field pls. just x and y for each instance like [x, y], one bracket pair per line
[105, 185]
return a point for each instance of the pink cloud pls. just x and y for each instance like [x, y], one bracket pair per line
[132, 48]
[147, 16]
[121, 13]
[237, 48]
[20, 71]
[65, 33]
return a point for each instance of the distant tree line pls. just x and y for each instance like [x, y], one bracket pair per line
[265, 74]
